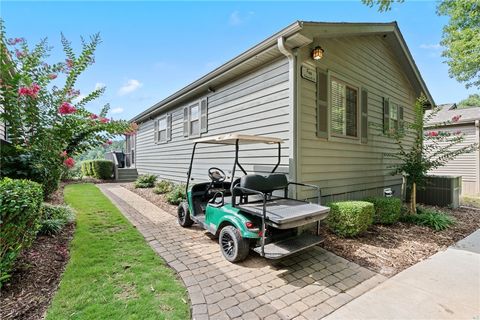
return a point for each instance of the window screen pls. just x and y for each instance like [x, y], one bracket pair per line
[344, 110]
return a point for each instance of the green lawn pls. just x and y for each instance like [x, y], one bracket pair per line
[112, 272]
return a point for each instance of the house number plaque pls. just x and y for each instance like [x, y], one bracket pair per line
[309, 74]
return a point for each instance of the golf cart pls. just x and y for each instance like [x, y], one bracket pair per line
[251, 212]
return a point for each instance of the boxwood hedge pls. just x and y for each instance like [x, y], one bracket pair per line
[350, 218]
[20, 214]
[387, 210]
[100, 169]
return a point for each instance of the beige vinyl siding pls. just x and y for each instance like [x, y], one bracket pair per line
[344, 168]
[256, 103]
[465, 165]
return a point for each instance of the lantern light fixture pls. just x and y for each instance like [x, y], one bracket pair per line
[317, 53]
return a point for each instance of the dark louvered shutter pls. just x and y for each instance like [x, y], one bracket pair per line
[322, 104]
[185, 122]
[203, 115]
[386, 115]
[401, 126]
[364, 110]
[155, 131]
[169, 127]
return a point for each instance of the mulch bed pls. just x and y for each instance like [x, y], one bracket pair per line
[391, 249]
[383, 249]
[37, 274]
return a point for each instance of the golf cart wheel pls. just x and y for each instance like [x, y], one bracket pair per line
[233, 246]
[183, 215]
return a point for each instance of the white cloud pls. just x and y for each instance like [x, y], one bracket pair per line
[129, 87]
[99, 85]
[433, 46]
[237, 18]
[116, 110]
[78, 98]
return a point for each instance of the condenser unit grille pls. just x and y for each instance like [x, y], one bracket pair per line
[441, 191]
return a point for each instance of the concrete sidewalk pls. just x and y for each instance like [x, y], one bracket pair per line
[445, 286]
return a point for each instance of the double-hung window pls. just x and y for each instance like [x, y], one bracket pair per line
[195, 116]
[194, 120]
[344, 109]
[393, 116]
[162, 129]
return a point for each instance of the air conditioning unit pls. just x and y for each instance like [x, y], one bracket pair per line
[441, 191]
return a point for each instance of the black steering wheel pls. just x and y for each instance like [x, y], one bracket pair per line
[216, 174]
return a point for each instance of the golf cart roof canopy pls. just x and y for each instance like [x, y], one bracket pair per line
[232, 138]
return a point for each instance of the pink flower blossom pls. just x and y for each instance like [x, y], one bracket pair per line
[456, 118]
[52, 76]
[104, 120]
[66, 108]
[432, 134]
[93, 116]
[69, 162]
[20, 54]
[32, 91]
[63, 154]
[73, 92]
[109, 142]
[69, 63]
[14, 41]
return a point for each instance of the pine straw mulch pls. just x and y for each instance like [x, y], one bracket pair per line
[37, 274]
[383, 249]
[391, 249]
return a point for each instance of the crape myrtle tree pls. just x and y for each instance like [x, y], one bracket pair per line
[431, 148]
[48, 123]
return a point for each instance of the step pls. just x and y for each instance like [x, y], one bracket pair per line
[283, 248]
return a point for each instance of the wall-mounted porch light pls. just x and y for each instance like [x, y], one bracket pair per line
[317, 53]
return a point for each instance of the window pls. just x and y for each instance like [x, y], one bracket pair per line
[162, 129]
[194, 120]
[344, 109]
[393, 116]
[195, 117]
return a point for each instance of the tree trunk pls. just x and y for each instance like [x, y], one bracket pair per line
[413, 199]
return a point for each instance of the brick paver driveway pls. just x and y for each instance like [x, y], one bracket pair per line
[308, 285]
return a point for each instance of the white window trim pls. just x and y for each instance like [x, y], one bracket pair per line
[337, 137]
[164, 117]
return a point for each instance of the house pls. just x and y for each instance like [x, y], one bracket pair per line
[327, 89]
[466, 165]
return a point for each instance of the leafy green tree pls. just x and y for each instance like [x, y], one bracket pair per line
[473, 100]
[461, 37]
[430, 150]
[47, 122]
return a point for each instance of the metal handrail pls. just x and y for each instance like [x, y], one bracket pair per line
[319, 193]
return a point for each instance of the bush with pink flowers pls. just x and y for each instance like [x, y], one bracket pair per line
[48, 121]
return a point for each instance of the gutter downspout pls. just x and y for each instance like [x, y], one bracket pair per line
[292, 95]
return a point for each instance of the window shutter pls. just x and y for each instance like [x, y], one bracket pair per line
[155, 131]
[169, 127]
[386, 115]
[400, 119]
[185, 122]
[364, 111]
[204, 115]
[322, 104]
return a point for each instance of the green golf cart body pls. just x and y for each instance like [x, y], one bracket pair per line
[251, 211]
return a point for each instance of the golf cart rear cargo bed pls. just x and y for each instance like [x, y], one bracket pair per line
[287, 247]
[286, 213]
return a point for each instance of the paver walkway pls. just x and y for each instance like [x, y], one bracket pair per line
[308, 285]
[445, 286]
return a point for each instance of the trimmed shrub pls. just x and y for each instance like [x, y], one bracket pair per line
[146, 181]
[86, 167]
[164, 186]
[387, 210]
[20, 202]
[55, 217]
[434, 219]
[350, 218]
[102, 169]
[176, 195]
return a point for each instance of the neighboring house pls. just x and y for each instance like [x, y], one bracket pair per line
[330, 111]
[466, 165]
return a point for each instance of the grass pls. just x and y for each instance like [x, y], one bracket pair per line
[112, 272]
[470, 201]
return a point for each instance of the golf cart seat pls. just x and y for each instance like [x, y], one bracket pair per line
[282, 213]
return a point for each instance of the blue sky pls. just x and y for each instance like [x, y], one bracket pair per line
[151, 49]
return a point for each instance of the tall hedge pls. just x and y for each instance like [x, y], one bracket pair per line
[20, 214]
[100, 169]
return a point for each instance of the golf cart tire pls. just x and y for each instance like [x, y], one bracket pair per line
[183, 215]
[240, 246]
